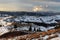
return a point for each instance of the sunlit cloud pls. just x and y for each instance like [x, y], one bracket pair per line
[37, 8]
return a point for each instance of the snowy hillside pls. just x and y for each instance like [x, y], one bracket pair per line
[41, 19]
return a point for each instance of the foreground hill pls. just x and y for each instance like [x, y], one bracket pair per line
[48, 35]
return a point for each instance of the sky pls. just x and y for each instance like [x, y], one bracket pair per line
[30, 5]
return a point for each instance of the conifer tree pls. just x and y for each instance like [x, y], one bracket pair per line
[34, 29]
[30, 29]
[15, 26]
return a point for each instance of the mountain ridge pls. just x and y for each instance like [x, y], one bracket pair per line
[22, 13]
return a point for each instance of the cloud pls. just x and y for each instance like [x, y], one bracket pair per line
[28, 5]
[48, 0]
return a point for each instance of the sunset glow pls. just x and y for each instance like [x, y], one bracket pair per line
[37, 8]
